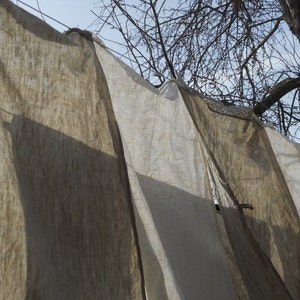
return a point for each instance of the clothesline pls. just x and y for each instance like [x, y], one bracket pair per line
[43, 14]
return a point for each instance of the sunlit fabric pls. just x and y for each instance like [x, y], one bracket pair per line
[107, 185]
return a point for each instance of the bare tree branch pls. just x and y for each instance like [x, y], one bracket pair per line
[231, 50]
[161, 40]
[291, 14]
[275, 94]
[261, 43]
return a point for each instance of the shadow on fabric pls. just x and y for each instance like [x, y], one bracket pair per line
[78, 221]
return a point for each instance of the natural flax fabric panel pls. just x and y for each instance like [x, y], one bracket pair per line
[182, 252]
[288, 157]
[265, 240]
[66, 220]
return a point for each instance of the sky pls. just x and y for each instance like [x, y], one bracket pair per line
[73, 13]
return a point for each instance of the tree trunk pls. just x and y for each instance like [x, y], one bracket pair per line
[291, 14]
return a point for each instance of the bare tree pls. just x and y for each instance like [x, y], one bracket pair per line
[240, 52]
[291, 14]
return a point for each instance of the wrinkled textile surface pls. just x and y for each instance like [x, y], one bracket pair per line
[246, 171]
[66, 226]
[182, 253]
[107, 185]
